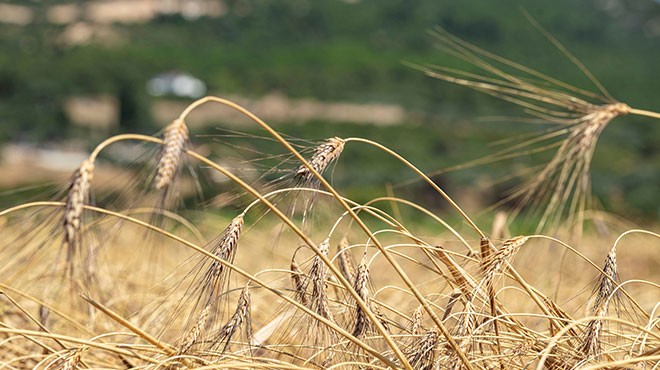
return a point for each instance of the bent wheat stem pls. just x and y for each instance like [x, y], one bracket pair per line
[425, 178]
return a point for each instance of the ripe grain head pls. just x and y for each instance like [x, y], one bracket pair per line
[175, 139]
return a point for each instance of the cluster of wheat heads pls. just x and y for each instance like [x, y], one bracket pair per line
[329, 284]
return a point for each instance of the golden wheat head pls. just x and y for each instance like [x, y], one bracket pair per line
[175, 138]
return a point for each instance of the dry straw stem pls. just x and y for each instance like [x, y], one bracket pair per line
[424, 177]
[88, 343]
[74, 323]
[166, 348]
[461, 278]
[30, 316]
[174, 141]
[39, 323]
[553, 342]
[428, 213]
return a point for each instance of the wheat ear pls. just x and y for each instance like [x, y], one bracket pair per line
[225, 248]
[241, 317]
[72, 361]
[323, 155]
[501, 257]
[196, 331]
[175, 138]
[580, 115]
[423, 355]
[77, 196]
[464, 330]
[300, 282]
[69, 362]
[317, 275]
[361, 285]
[346, 264]
[416, 326]
[604, 293]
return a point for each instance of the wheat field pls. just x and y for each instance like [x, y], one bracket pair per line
[292, 274]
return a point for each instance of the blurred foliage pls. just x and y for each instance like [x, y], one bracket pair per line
[354, 51]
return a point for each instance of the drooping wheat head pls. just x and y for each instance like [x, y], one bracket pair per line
[324, 154]
[560, 192]
[564, 183]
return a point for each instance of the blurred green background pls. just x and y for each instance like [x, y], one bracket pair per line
[74, 72]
